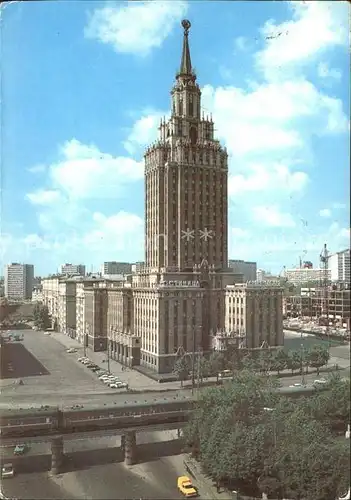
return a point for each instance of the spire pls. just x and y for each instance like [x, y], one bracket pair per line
[185, 66]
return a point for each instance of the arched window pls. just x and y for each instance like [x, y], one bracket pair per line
[193, 135]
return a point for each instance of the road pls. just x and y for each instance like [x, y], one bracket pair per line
[100, 473]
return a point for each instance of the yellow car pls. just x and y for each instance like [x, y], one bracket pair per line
[186, 487]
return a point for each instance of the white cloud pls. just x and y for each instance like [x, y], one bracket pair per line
[267, 178]
[37, 169]
[144, 130]
[325, 72]
[338, 205]
[271, 216]
[325, 212]
[122, 232]
[315, 27]
[136, 28]
[86, 172]
[273, 117]
[241, 43]
[44, 197]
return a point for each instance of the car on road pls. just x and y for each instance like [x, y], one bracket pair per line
[71, 350]
[186, 487]
[7, 470]
[118, 385]
[320, 381]
[86, 361]
[20, 449]
[46, 333]
[296, 385]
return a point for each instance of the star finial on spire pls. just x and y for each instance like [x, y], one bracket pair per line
[185, 66]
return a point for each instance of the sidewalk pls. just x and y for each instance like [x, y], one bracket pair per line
[206, 485]
[139, 382]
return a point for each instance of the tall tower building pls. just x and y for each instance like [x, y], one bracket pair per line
[178, 298]
[186, 174]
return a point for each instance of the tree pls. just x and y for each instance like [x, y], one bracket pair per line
[279, 361]
[216, 363]
[4, 308]
[181, 368]
[318, 356]
[284, 451]
[41, 316]
[203, 368]
[294, 360]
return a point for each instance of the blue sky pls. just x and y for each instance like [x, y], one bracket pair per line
[84, 85]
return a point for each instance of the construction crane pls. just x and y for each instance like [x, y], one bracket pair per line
[324, 283]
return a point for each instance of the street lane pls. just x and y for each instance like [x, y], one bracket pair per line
[101, 473]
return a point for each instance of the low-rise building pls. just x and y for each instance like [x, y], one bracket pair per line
[305, 275]
[115, 268]
[72, 269]
[37, 294]
[66, 320]
[247, 269]
[50, 294]
[123, 345]
[256, 312]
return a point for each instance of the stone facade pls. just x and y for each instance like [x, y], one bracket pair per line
[256, 311]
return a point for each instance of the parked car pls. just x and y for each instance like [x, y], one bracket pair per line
[71, 350]
[7, 471]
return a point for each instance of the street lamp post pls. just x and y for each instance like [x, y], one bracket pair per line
[193, 364]
[302, 363]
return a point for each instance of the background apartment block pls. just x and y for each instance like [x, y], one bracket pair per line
[19, 281]
[138, 267]
[247, 269]
[305, 274]
[72, 269]
[257, 311]
[339, 266]
[115, 268]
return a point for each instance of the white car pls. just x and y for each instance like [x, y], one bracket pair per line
[86, 361]
[117, 385]
[7, 470]
[71, 350]
[108, 380]
[320, 381]
[81, 359]
[46, 333]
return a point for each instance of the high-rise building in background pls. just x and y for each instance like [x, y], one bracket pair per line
[339, 266]
[115, 268]
[19, 281]
[247, 269]
[73, 269]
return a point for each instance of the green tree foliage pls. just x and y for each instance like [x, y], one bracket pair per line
[217, 363]
[41, 316]
[317, 357]
[4, 308]
[181, 369]
[246, 433]
[294, 360]
[279, 361]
